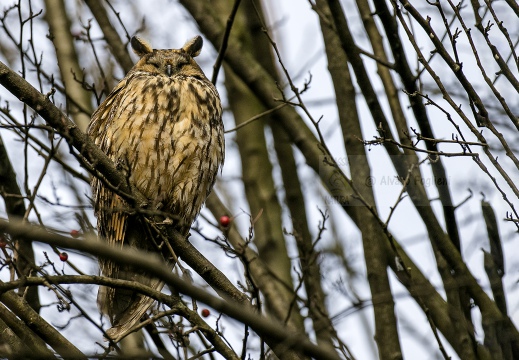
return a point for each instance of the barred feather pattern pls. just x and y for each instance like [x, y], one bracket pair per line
[162, 127]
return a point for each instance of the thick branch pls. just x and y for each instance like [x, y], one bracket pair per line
[386, 336]
[262, 50]
[68, 62]
[20, 339]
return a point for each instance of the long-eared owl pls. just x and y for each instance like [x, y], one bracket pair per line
[162, 126]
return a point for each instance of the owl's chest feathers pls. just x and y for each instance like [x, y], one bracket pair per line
[172, 140]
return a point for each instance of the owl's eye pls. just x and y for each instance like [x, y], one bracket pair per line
[156, 64]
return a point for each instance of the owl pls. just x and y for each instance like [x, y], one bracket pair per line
[162, 127]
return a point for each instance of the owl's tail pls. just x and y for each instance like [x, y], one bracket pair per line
[135, 306]
[124, 306]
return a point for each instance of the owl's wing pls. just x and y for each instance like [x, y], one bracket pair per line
[109, 207]
[111, 227]
[112, 219]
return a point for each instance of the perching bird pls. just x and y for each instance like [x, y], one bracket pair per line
[162, 126]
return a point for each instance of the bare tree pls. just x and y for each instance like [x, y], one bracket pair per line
[306, 239]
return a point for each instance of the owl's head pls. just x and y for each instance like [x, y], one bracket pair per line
[168, 62]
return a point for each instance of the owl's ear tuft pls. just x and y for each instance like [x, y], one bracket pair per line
[140, 46]
[193, 46]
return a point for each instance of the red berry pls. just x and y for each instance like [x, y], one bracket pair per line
[63, 256]
[206, 312]
[225, 220]
[75, 233]
[3, 242]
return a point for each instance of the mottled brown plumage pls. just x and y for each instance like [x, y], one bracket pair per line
[162, 127]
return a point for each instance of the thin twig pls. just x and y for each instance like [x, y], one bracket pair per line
[223, 46]
[256, 117]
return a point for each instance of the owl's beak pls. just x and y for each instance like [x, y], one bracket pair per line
[169, 69]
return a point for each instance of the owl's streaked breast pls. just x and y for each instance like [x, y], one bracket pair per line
[171, 139]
